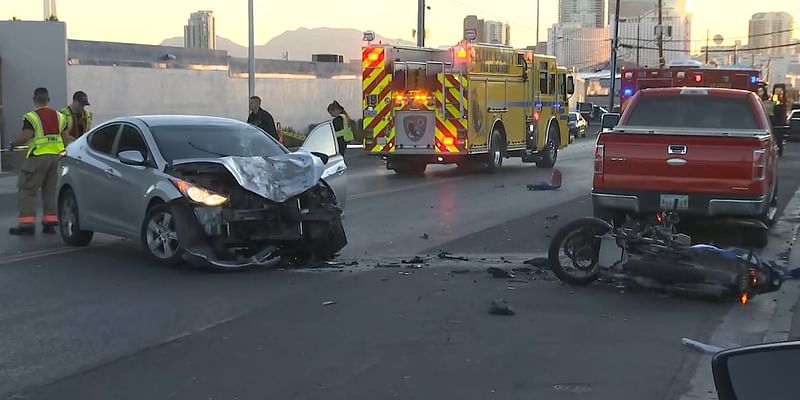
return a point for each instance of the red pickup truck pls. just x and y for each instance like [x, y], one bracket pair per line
[712, 150]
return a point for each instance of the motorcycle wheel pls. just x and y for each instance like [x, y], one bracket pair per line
[575, 249]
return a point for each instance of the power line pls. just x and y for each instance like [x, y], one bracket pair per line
[742, 49]
[703, 40]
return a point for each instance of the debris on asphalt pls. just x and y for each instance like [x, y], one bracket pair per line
[700, 346]
[460, 271]
[792, 274]
[511, 288]
[522, 270]
[499, 273]
[389, 265]
[416, 260]
[425, 236]
[539, 262]
[500, 307]
[449, 256]
[553, 183]
[552, 217]
[403, 273]
[328, 303]
[414, 266]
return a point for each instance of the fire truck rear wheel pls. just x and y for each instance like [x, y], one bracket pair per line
[496, 149]
[550, 151]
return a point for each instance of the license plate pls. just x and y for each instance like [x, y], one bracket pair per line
[668, 201]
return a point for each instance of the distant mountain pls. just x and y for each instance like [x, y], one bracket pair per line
[301, 44]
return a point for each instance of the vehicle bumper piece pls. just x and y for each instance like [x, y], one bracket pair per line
[699, 204]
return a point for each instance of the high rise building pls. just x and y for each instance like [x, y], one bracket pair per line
[587, 13]
[487, 31]
[636, 8]
[574, 45]
[200, 33]
[770, 29]
[637, 37]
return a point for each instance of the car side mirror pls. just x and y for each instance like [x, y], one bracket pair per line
[132, 157]
[324, 157]
[609, 120]
[764, 371]
[570, 85]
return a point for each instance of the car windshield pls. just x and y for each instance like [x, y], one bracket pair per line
[690, 111]
[213, 140]
[572, 117]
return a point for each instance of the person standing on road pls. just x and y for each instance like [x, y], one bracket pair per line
[79, 119]
[342, 125]
[44, 130]
[261, 118]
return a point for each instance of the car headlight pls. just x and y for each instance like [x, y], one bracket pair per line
[199, 194]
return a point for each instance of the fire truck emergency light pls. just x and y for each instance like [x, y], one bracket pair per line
[753, 79]
[461, 53]
[627, 92]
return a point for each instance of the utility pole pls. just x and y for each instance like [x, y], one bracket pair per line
[420, 23]
[661, 60]
[537, 24]
[638, 37]
[707, 46]
[251, 54]
[614, 45]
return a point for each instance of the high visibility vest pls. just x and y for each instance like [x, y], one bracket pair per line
[46, 132]
[72, 121]
[769, 107]
[346, 132]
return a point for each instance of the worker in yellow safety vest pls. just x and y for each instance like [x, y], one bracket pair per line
[44, 130]
[79, 119]
[342, 125]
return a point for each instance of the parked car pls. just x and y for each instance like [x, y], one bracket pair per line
[577, 125]
[794, 126]
[210, 190]
[711, 150]
[586, 109]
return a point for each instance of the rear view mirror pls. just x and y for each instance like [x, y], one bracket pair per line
[609, 120]
[570, 85]
[765, 371]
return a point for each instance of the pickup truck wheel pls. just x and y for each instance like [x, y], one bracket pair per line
[550, 151]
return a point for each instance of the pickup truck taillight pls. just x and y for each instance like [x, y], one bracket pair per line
[599, 153]
[759, 164]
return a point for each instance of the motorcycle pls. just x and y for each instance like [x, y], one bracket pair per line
[656, 256]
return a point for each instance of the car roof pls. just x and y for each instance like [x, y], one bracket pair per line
[164, 120]
[715, 92]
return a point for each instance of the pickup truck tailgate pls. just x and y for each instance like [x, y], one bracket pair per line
[680, 163]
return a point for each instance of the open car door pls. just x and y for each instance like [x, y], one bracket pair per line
[322, 140]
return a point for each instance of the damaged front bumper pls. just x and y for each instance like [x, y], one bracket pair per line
[253, 231]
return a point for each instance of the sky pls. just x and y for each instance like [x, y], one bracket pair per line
[151, 21]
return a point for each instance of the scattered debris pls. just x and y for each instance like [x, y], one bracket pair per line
[522, 270]
[449, 256]
[553, 183]
[425, 236]
[500, 273]
[500, 307]
[415, 260]
[511, 288]
[539, 262]
[328, 303]
[390, 265]
[461, 271]
[552, 217]
[700, 346]
[414, 266]
[403, 273]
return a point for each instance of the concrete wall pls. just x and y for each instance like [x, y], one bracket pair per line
[32, 54]
[119, 91]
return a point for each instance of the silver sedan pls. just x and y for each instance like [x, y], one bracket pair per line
[210, 190]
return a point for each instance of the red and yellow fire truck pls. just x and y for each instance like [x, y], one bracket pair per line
[635, 79]
[472, 103]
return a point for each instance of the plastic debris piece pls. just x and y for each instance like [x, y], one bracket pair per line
[328, 303]
[553, 183]
[449, 256]
[425, 236]
[500, 307]
[390, 265]
[700, 346]
[539, 262]
[500, 273]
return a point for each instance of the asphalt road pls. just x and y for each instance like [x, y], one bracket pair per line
[103, 323]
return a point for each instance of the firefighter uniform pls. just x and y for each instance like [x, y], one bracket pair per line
[40, 169]
[77, 125]
[344, 132]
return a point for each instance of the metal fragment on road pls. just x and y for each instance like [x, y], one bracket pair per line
[700, 346]
[328, 303]
[500, 273]
[449, 256]
[572, 388]
[500, 307]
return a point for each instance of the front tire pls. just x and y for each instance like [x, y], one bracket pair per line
[496, 150]
[160, 236]
[580, 243]
[69, 221]
[550, 151]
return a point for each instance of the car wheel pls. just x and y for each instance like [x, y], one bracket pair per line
[496, 148]
[160, 237]
[551, 149]
[69, 221]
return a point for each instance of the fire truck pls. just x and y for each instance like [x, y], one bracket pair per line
[635, 79]
[469, 104]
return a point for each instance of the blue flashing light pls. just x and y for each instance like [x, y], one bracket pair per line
[627, 92]
[753, 79]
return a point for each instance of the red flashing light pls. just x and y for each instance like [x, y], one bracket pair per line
[698, 78]
[461, 52]
[536, 115]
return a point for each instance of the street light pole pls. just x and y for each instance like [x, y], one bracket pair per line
[251, 51]
[420, 23]
[537, 24]
[614, 44]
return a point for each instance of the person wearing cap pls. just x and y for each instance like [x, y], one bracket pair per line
[44, 130]
[79, 119]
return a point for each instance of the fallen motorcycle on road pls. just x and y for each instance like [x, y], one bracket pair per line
[655, 256]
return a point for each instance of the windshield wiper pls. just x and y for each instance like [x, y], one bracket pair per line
[208, 151]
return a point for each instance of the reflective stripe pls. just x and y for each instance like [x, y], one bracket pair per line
[42, 144]
[26, 219]
[71, 120]
[49, 219]
[347, 131]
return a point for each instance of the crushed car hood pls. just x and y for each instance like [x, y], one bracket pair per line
[276, 178]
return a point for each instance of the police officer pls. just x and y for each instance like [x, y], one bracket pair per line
[79, 119]
[341, 124]
[44, 130]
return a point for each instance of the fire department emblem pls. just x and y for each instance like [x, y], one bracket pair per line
[415, 127]
[477, 116]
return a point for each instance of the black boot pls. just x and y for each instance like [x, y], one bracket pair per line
[21, 230]
[49, 229]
